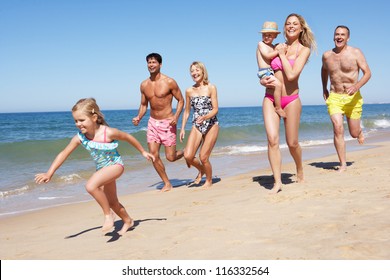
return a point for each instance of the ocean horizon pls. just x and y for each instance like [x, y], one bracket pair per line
[33, 139]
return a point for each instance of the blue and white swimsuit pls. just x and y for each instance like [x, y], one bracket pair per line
[103, 153]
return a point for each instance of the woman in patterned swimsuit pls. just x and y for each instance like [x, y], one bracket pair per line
[202, 97]
[101, 141]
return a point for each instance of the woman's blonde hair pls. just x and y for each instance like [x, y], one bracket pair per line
[204, 70]
[306, 37]
[89, 107]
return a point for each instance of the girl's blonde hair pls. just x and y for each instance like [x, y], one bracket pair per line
[204, 70]
[306, 37]
[89, 107]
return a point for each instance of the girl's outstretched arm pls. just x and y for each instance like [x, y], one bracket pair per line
[116, 134]
[58, 161]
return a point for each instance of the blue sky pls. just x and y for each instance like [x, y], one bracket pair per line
[54, 52]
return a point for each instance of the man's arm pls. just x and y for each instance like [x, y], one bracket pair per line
[362, 65]
[176, 92]
[142, 108]
[324, 78]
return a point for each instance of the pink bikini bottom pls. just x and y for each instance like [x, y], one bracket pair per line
[285, 100]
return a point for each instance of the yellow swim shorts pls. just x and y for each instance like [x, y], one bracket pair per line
[349, 105]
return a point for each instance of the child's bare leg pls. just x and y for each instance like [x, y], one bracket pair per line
[280, 112]
[120, 210]
[99, 185]
[108, 223]
[113, 215]
[128, 222]
[101, 199]
[126, 226]
[277, 98]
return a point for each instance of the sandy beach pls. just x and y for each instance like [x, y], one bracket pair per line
[332, 216]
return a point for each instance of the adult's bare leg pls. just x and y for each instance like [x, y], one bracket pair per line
[272, 125]
[205, 151]
[338, 140]
[291, 124]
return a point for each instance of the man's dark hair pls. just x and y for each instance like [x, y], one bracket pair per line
[343, 26]
[156, 56]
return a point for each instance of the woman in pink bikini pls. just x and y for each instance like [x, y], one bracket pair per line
[288, 65]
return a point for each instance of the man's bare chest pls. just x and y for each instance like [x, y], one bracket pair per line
[157, 90]
[342, 64]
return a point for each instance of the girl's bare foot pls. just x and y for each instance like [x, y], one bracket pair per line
[108, 223]
[126, 226]
[113, 215]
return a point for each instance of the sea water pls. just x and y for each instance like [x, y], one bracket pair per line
[29, 143]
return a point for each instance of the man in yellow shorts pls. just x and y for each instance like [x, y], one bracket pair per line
[342, 65]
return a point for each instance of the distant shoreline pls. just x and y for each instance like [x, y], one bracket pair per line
[131, 109]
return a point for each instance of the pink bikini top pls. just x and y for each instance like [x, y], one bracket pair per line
[276, 63]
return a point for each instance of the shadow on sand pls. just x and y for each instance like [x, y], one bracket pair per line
[117, 226]
[329, 165]
[267, 181]
[177, 183]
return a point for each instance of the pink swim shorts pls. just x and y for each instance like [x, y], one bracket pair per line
[160, 131]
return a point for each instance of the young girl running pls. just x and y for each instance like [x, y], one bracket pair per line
[102, 142]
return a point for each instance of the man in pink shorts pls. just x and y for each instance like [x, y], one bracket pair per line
[159, 90]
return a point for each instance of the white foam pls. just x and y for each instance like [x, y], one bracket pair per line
[15, 191]
[382, 123]
[316, 142]
[52, 197]
[70, 177]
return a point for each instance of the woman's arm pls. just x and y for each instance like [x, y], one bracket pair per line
[186, 114]
[292, 72]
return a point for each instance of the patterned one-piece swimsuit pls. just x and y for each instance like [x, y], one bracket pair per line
[202, 106]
